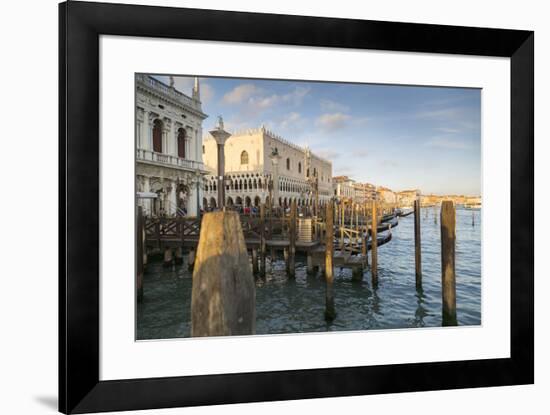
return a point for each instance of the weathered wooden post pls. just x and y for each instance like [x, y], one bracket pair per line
[254, 261]
[167, 260]
[330, 312]
[310, 269]
[139, 254]
[365, 237]
[191, 258]
[178, 256]
[342, 224]
[292, 240]
[262, 240]
[374, 245]
[223, 300]
[448, 282]
[417, 246]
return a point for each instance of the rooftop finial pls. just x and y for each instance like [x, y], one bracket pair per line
[197, 89]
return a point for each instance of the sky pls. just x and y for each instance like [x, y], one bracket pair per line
[401, 137]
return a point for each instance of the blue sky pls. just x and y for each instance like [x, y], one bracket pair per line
[401, 137]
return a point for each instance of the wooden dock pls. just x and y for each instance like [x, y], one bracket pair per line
[299, 232]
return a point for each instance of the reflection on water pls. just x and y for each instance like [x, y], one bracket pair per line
[297, 305]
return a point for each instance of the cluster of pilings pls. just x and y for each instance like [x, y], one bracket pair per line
[221, 298]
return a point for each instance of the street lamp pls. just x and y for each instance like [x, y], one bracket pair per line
[221, 136]
[198, 179]
[275, 157]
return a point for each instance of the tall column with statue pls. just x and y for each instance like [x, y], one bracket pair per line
[221, 136]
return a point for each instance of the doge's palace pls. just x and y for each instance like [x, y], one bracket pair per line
[169, 166]
[257, 157]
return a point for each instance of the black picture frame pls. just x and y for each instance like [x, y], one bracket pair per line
[80, 26]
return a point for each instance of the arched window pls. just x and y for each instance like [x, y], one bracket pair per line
[157, 136]
[299, 167]
[288, 163]
[181, 143]
[244, 157]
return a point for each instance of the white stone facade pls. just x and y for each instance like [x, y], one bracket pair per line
[344, 188]
[249, 169]
[168, 148]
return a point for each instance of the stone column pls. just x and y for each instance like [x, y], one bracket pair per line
[221, 136]
[188, 144]
[147, 209]
[192, 200]
[173, 198]
[139, 128]
[198, 144]
[166, 128]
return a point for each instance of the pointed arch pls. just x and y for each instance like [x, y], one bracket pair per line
[244, 157]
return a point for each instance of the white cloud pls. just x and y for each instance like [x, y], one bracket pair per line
[241, 93]
[448, 143]
[294, 97]
[333, 121]
[448, 130]
[290, 119]
[328, 105]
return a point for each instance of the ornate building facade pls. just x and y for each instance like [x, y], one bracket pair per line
[256, 158]
[169, 164]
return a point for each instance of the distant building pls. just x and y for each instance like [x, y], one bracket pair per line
[364, 192]
[343, 188]
[406, 198]
[168, 147]
[386, 195]
[255, 157]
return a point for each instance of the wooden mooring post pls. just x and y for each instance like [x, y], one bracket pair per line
[254, 254]
[448, 281]
[330, 312]
[292, 241]
[342, 223]
[374, 246]
[168, 258]
[191, 258]
[139, 254]
[417, 245]
[223, 299]
[365, 236]
[262, 240]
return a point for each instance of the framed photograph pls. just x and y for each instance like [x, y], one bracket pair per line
[260, 207]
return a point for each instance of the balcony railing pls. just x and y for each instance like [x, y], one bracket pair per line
[168, 91]
[168, 159]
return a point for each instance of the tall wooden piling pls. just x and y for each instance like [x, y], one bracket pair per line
[254, 261]
[342, 223]
[417, 244]
[178, 255]
[223, 300]
[139, 254]
[262, 240]
[292, 240]
[374, 245]
[448, 282]
[191, 259]
[168, 258]
[330, 312]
